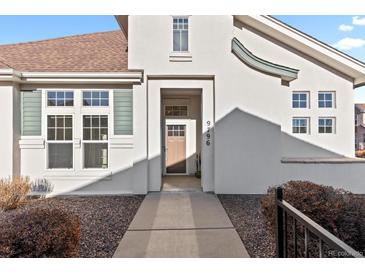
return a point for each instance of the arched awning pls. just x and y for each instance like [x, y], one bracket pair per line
[285, 73]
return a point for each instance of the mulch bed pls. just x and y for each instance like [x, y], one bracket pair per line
[103, 220]
[245, 214]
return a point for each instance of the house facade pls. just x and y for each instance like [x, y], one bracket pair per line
[247, 100]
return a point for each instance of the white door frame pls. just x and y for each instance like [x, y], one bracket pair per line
[186, 123]
[155, 83]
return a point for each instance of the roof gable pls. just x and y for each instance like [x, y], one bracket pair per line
[308, 45]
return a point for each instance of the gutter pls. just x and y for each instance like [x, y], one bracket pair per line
[130, 77]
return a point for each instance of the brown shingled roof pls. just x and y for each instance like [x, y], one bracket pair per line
[3, 65]
[95, 52]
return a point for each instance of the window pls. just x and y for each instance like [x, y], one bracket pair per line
[95, 141]
[59, 141]
[176, 130]
[176, 111]
[95, 98]
[60, 98]
[326, 99]
[300, 99]
[180, 34]
[326, 125]
[300, 125]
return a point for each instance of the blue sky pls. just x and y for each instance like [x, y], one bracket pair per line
[16, 29]
[349, 38]
[347, 33]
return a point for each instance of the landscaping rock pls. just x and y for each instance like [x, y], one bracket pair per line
[249, 222]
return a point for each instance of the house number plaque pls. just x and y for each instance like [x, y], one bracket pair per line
[207, 134]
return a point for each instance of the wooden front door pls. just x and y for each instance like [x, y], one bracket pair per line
[175, 149]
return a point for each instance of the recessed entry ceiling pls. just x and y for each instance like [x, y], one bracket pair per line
[180, 91]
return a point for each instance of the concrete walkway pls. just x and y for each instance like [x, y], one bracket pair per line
[181, 183]
[181, 225]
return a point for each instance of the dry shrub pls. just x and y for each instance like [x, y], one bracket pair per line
[339, 211]
[39, 232]
[13, 192]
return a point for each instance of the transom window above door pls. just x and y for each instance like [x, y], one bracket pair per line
[300, 99]
[95, 98]
[60, 98]
[176, 111]
[176, 130]
[180, 34]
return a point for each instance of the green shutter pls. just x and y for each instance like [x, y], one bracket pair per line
[31, 108]
[123, 112]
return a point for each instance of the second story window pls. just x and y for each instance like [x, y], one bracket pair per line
[180, 34]
[300, 99]
[326, 125]
[326, 99]
[300, 125]
[60, 98]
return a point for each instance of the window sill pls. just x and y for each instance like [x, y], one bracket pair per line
[180, 57]
[122, 141]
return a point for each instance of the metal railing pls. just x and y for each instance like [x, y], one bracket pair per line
[323, 237]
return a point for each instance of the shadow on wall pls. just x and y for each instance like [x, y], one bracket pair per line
[295, 148]
[132, 179]
[248, 152]
[120, 181]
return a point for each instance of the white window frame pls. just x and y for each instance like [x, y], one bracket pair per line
[94, 141]
[95, 90]
[188, 30]
[307, 127]
[333, 93]
[60, 142]
[333, 125]
[57, 91]
[306, 93]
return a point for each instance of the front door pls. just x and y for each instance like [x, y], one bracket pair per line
[175, 149]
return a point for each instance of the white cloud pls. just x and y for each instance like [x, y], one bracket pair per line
[344, 27]
[349, 43]
[356, 20]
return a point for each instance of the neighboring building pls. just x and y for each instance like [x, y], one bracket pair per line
[110, 113]
[360, 126]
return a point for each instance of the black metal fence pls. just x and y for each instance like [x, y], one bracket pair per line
[299, 236]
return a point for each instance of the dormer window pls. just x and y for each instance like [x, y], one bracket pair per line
[180, 34]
